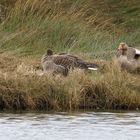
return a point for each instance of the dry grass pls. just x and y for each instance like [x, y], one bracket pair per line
[110, 88]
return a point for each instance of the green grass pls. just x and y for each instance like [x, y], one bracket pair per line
[67, 26]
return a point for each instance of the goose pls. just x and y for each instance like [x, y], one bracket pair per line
[48, 64]
[131, 53]
[71, 61]
[67, 61]
[128, 56]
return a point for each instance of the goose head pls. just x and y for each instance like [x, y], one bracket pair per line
[123, 48]
[49, 52]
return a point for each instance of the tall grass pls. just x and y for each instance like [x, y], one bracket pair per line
[24, 89]
[31, 26]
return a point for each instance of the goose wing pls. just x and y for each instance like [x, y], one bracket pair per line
[64, 60]
[83, 64]
[69, 61]
[80, 62]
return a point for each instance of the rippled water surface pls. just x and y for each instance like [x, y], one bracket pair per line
[75, 126]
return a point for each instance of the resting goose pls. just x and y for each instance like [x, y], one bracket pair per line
[128, 56]
[71, 61]
[48, 64]
[66, 61]
[130, 52]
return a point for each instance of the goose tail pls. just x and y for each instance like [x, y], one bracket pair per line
[92, 66]
[137, 51]
[93, 69]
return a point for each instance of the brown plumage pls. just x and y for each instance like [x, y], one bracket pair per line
[57, 69]
[48, 64]
[128, 57]
[69, 61]
[66, 61]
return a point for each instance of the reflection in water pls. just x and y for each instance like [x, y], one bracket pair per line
[76, 126]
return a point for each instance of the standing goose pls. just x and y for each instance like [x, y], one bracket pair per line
[66, 61]
[128, 56]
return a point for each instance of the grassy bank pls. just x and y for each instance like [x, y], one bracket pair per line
[88, 29]
[110, 88]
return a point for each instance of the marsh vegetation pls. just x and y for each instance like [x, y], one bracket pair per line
[84, 28]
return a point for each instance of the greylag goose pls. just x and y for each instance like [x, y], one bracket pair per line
[71, 61]
[128, 56]
[66, 61]
[131, 53]
[49, 65]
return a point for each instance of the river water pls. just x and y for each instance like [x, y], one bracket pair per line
[70, 126]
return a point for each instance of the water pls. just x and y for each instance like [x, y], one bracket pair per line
[76, 126]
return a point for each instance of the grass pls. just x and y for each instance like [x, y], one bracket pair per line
[91, 30]
[62, 26]
[109, 88]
